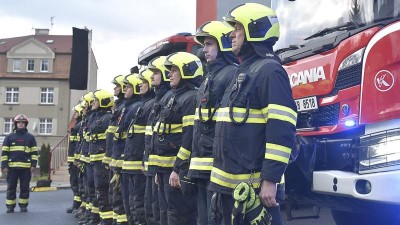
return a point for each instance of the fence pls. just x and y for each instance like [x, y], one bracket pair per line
[58, 155]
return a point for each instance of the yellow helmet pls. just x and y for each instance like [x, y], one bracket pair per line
[78, 108]
[217, 30]
[259, 21]
[119, 80]
[158, 64]
[106, 98]
[134, 80]
[87, 99]
[189, 65]
[146, 76]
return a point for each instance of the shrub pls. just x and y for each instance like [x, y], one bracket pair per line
[44, 157]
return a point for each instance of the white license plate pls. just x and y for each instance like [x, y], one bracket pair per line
[306, 104]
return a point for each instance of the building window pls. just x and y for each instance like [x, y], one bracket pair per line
[31, 65]
[47, 96]
[44, 65]
[16, 65]
[8, 125]
[45, 126]
[12, 94]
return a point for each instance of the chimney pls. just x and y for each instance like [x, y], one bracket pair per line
[42, 31]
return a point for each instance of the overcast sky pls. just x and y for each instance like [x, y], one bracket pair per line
[121, 28]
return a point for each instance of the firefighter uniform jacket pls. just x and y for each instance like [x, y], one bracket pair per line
[134, 144]
[19, 150]
[84, 148]
[256, 126]
[73, 140]
[161, 93]
[119, 105]
[127, 113]
[98, 133]
[173, 132]
[208, 98]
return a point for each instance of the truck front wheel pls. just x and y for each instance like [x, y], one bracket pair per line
[352, 218]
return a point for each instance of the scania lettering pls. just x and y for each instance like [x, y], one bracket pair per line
[307, 76]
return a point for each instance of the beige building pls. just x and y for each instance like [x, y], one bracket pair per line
[34, 80]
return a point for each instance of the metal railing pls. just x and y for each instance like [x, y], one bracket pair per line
[58, 155]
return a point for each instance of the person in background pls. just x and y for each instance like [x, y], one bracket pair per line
[18, 158]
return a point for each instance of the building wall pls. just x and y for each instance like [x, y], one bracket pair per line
[216, 9]
[29, 104]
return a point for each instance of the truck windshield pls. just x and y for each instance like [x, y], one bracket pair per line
[303, 20]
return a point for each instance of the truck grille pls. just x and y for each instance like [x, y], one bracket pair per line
[325, 116]
[346, 78]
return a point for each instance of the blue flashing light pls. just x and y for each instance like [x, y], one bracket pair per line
[350, 123]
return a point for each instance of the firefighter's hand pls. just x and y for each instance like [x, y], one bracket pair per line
[4, 171]
[268, 194]
[174, 180]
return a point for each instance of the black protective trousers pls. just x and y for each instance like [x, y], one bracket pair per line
[136, 186]
[203, 201]
[175, 208]
[119, 214]
[91, 193]
[101, 184]
[73, 180]
[24, 177]
[151, 205]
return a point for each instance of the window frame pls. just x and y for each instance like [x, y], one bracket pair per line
[44, 62]
[48, 124]
[47, 93]
[8, 123]
[14, 63]
[27, 65]
[13, 92]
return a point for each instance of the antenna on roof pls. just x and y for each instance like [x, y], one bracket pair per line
[51, 22]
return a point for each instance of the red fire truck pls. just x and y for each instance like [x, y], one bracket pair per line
[343, 60]
[175, 43]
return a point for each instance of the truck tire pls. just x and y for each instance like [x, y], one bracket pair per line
[351, 218]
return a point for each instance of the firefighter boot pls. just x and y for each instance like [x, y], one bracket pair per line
[10, 210]
[24, 209]
[69, 210]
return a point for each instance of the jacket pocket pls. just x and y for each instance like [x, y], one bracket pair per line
[243, 152]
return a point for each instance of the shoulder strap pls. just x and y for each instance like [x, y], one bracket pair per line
[255, 67]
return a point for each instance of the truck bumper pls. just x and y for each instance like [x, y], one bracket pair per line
[379, 187]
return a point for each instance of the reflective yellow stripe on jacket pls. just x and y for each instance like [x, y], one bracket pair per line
[188, 120]
[167, 128]
[201, 163]
[232, 180]
[100, 136]
[137, 129]
[162, 161]
[20, 164]
[183, 153]
[111, 129]
[132, 165]
[239, 114]
[149, 130]
[96, 157]
[204, 114]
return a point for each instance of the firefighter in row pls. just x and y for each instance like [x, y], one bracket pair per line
[73, 170]
[134, 146]
[121, 176]
[84, 162]
[119, 103]
[18, 158]
[172, 138]
[221, 66]
[101, 107]
[255, 124]
[161, 87]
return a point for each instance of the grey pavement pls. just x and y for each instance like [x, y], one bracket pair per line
[45, 208]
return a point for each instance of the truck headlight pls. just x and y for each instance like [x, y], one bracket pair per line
[380, 152]
[352, 59]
